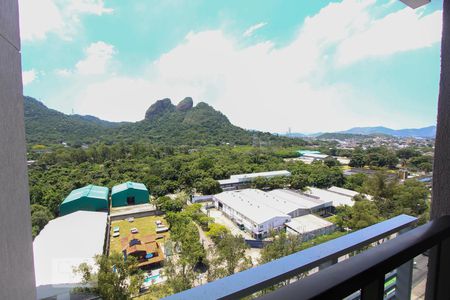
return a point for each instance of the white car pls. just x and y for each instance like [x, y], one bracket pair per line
[116, 234]
[134, 230]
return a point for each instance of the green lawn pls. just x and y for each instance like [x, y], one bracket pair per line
[145, 226]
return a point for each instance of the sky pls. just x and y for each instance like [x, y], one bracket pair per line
[307, 66]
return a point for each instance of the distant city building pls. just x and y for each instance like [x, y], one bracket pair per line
[88, 198]
[129, 193]
[65, 243]
[244, 180]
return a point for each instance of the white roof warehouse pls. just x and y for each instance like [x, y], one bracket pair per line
[248, 211]
[64, 243]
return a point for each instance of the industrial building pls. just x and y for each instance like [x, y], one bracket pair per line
[244, 180]
[335, 198]
[88, 198]
[129, 193]
[249, 213]
[308, 204]
[347, 192]
[309, 226]
[64, 243]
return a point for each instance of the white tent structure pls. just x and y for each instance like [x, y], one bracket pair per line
[64, 243]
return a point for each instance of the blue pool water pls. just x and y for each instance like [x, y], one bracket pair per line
[150, 278]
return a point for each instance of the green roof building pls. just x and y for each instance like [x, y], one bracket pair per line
[88, 198]
[129, 193]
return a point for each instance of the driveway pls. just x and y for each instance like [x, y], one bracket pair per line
[220, 218]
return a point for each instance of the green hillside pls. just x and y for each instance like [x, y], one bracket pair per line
[164, 123]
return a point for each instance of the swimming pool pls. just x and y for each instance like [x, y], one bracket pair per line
[149, 279]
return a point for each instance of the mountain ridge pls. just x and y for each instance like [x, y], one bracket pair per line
[163, 123]
[423, 132]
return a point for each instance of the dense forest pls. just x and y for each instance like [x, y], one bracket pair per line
[167, 169]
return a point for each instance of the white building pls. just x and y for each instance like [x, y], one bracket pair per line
[327, 196]
[309, 226]
[306, 204]
[244, 209]
[64, 243]
[239, 180]
[285, 206]
[347, 192]
[317, 156]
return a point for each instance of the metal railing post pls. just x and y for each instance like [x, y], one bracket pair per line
[328, 263]
[374, 290]
[438, 286]
[404, 277]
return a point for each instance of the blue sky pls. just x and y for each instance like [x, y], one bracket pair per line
[268, 65]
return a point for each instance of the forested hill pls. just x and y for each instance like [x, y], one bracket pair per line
[164, 123]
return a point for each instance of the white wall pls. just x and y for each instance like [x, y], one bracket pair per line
[16, 252]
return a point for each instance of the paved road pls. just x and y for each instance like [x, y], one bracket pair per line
[419, 277]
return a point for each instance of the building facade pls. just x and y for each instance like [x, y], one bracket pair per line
[16, 246]
[129, 193]
[88, 198]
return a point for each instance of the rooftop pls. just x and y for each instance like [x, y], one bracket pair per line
[335, 198]
[301, 200]
[128, 185]
[308, 223]
[342, 191]
[282, 205]
[66, 242]
[262, 174]
[257, 212]
[91, 191]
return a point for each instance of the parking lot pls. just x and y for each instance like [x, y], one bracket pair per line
[220, 218]
[144, 225]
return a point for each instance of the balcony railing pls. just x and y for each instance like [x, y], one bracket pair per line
[360, 276]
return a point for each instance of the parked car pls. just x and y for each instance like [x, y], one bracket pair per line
[116, 234]
[134, 230]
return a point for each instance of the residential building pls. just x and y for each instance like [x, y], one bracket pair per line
[16, 246]
[146, 250]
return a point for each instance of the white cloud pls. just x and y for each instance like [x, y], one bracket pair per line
[28, 76]
[98, 58]
[38, 18]
[259, 86]
[403, 30]
[63, 72]
[253, 28]
[96, 7]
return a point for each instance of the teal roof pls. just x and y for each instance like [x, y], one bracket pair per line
[91, 191]
[128, 185]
